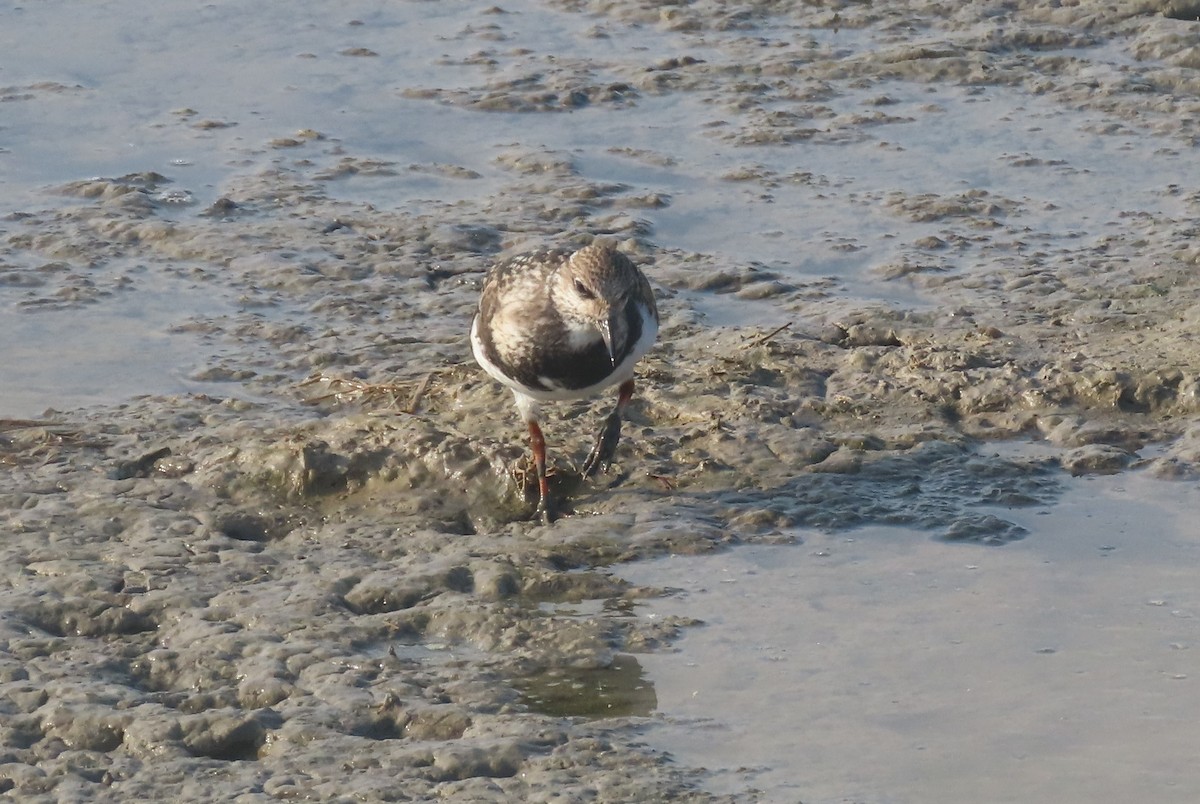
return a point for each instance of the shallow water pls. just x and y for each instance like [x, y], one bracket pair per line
[200, 104]
[880, 666]
[123, 342]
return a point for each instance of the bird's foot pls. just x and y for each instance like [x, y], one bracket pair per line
[544, 512]
[606, 446]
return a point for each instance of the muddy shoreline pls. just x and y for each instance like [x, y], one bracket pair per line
[314, 577]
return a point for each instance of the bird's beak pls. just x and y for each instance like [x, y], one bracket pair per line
[605, 328]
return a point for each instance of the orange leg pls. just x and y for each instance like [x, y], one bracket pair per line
[606, 440]
[537, 443]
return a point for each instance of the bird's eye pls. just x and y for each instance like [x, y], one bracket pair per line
[583, 290]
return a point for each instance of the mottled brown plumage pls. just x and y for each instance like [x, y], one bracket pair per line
[558, 324]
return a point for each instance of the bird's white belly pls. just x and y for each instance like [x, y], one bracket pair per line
[553, 391]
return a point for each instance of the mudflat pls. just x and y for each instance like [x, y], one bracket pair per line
[262, 534]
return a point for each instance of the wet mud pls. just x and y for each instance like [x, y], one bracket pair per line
[314, 575]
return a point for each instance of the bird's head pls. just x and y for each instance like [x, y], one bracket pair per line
[594, 288]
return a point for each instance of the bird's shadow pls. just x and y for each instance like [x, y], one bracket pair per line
[957, 492]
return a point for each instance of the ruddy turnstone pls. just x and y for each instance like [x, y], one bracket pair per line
[559, 324]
